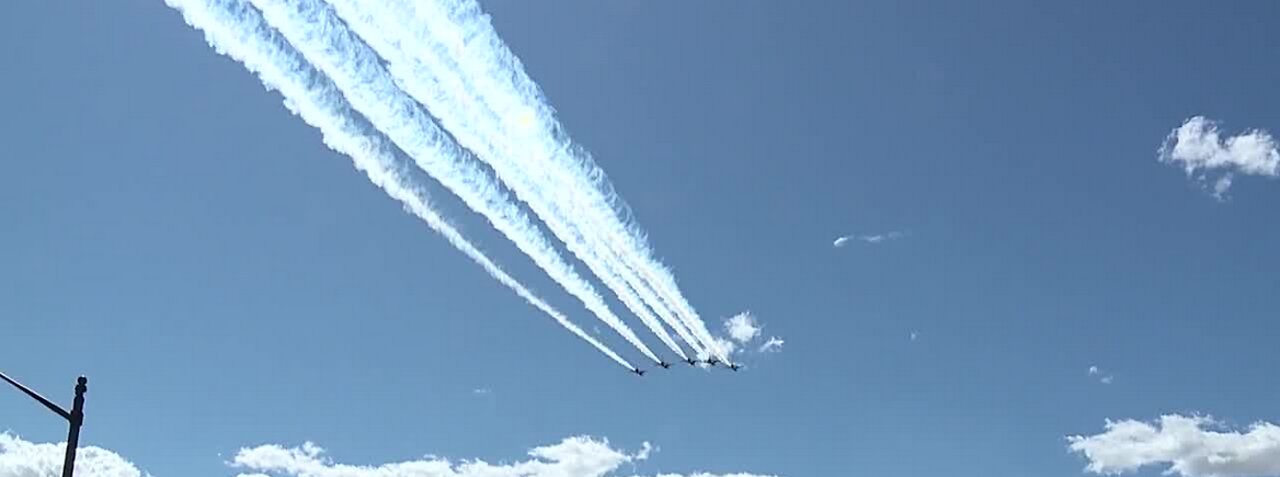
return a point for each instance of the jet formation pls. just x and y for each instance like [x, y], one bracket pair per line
[712, 362]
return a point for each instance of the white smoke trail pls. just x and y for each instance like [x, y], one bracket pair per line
[235, 29]
[432, 78]
[465, 35]
[322, 38]
[424, 77]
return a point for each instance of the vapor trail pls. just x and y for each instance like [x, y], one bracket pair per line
[427, 79]
[235, 29]
[432, 78]
[463, 33]
[317, 33]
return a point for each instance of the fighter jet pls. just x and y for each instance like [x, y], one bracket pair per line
[712, 361]
[664, 364]
[691, 361]
[638, 372]
[734, 367]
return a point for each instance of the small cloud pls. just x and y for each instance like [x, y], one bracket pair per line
[1104, 378]
[871, 239]
[914, 335]
[882, 237]
[645, 449]
[1199, 149]
[772, 345]
[1188, 445]
[742, 327]
[482, 391]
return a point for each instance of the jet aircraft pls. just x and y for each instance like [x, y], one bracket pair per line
[664, 364]
[638, 372]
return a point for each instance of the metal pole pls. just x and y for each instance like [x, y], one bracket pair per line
[75, 417]
[73, 433]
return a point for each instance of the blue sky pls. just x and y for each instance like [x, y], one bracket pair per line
[225, 280]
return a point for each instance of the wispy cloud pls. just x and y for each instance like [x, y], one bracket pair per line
[1103, 377]
[482, 391]
[1200, 150]
[871, 238]
[19, 458]
[742, 327]
[579, 456]
[1185, 445]
[772, 345]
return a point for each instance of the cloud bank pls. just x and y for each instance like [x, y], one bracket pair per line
[1200, 150]
[1185, 445]
[578, 456]
[19, 458]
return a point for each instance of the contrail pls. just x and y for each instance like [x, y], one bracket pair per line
[236, 30]
[464, 33]
[322, 38]
[435, 81]
[449, 99]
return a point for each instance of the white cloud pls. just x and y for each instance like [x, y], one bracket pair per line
[882, 237]
[1103, 377]
[742, 327]
[1183, 444]
[1198, 147]
[645, 449]
[871, 239]
[914, 335]
[482, 391]
[19, 458]
[578, 456]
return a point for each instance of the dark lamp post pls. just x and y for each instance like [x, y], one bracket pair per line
[75, 418]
